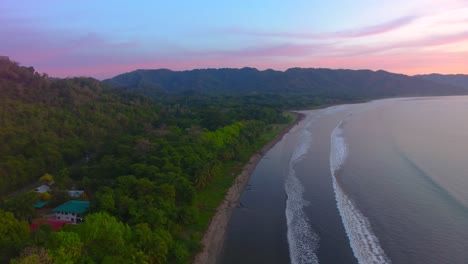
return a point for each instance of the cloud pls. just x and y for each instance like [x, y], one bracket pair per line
[407, 63]
[265, 50]
[375, 29]
[418, 44]
[350, 33]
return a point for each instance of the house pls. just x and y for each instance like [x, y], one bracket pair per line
[40, 205]
[75, 193]
[53, 223]
[42, 189]
[71, 211]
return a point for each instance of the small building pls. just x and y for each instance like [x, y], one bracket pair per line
[42, 189]
[40, 205]
[71, 211]
[75, 193]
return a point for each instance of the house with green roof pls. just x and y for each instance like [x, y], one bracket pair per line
[40, 204]
[71, 211]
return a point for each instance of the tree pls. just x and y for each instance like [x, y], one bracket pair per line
[47, 179]
[104, 200]
[66, 247]
[105, 237]
[34, 255]
[13, 235]
[46, 196]
[59, 197]
[41, 235]
[21, 205]
[155, 244]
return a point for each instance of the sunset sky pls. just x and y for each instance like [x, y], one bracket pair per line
[104, 38]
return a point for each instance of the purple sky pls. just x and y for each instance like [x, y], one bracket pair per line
[95, 38]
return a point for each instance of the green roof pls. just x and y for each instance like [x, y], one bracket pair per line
[77, 207]
[40, 204]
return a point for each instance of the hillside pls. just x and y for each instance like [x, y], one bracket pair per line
[48, 124]
[457, 80]
[344, 84]
[154, 171]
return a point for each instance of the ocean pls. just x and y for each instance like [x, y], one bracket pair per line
[379, 182]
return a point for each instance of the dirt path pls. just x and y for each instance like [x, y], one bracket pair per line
[213, 238]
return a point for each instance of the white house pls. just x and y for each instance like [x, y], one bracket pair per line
[42, 189]
[71, 211]
[75, 193]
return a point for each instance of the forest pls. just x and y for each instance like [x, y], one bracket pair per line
[153, 167]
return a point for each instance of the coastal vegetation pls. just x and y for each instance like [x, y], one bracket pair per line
[154, 169]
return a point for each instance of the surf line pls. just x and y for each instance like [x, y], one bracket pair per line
[365, 245]
[302, 240]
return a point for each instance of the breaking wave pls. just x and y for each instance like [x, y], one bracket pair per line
[364, 243]
[303, 241]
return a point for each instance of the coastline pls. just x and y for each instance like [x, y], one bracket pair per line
[213, 238]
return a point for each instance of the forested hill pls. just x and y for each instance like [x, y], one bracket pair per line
[345, 84]
[457, 80]
[47, 124]
[154, 171]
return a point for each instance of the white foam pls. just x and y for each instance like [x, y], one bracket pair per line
[365, 244]
[303, 241]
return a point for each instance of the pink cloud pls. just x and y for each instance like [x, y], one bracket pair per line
[419, 44]
[279, 50]
[406, 63]
[375, 29]
[351, 33]
[438, 40]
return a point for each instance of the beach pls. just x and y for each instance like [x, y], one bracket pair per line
[213, 238]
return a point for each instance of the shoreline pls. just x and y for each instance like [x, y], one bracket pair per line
[213, 238]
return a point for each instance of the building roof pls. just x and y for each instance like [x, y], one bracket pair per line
[55, 224]
[75, 193]
[42, 189]
[77, 207]
[39, 205]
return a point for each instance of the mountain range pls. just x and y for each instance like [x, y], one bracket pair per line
[345, 84]
[458, 80]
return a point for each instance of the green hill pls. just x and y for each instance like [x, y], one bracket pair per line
[345, 84]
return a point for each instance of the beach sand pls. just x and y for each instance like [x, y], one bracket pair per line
[213, 239]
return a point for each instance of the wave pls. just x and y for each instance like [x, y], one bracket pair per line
[364, 243]
[433, 184]
[302, 240]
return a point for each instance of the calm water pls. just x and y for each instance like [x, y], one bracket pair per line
[381, 182]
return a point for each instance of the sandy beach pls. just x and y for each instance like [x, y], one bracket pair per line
[213, 238]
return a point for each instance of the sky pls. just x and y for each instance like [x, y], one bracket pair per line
[101, 38]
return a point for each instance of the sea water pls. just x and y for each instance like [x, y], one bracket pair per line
[381, 182]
